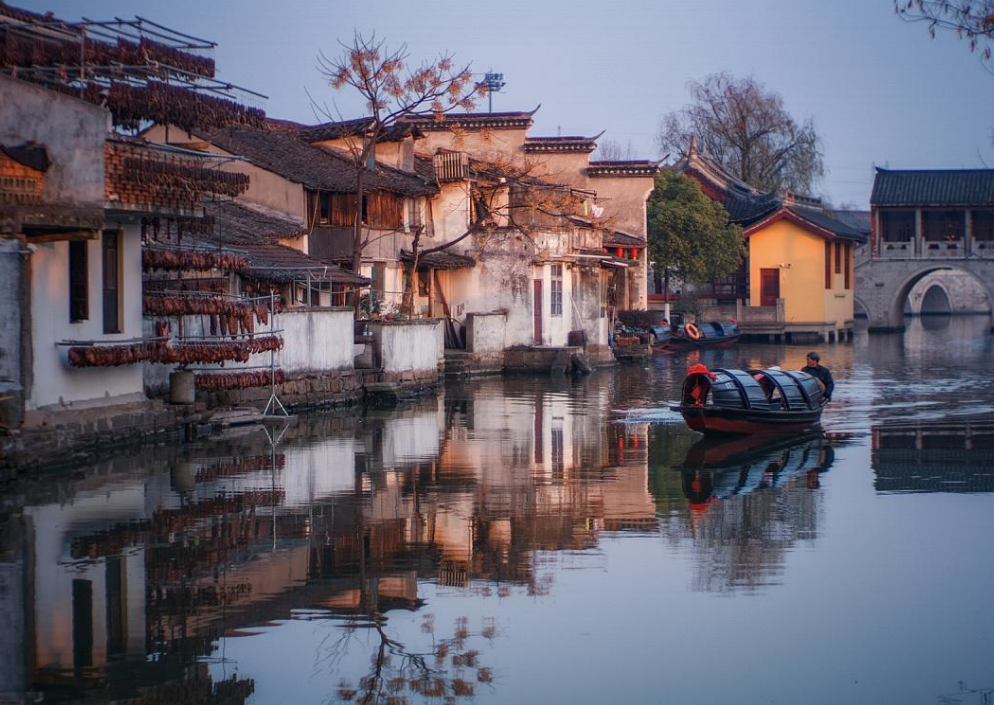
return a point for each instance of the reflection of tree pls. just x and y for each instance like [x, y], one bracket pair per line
[443, 668]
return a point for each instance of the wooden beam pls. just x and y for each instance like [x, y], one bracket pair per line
[63, 236]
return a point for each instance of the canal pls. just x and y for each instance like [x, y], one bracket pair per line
[528, 540]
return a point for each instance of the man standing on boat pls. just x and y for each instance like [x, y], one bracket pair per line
[822, 374]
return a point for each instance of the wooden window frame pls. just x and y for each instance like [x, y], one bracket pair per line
[556, 290]
[110, 260]
[79, 281]
[828, 264]
[838, 257]
[847, 253]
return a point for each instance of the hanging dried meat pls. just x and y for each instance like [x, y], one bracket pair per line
[197, 260]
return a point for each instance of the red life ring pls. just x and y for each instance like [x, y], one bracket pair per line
[693, 332]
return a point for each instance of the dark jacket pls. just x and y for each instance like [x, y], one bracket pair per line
[824, 375]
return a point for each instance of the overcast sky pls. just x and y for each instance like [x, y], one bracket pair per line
[879, 90]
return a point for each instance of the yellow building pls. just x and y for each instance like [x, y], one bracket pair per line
[801, 273]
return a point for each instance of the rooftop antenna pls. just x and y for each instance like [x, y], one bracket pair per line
[494, 83]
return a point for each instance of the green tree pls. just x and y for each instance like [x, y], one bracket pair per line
[689, 234]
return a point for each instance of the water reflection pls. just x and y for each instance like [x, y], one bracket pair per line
[388, 554]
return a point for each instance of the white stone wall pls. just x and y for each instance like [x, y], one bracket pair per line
[53, 381]
[485, 331]
[409, 346]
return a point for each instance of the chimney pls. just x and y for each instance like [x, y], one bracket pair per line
[407, 155]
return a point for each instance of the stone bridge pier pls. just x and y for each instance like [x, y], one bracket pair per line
[882, 285]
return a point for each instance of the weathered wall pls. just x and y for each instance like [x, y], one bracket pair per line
[567, 168]
[265, 188]
[623, 199]
[73, 132]
[11, 270]
[485, 331]
[408, 346]
[493, 144]
[53, 380]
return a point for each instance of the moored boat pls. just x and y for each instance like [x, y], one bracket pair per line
[749, 401]
[710, 334]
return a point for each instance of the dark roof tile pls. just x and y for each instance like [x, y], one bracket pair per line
[936, 187]
[282, 153]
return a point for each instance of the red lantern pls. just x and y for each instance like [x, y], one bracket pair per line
[621, 252]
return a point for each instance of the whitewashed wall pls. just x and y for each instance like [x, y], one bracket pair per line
[315, 339]
[408, 346]
[53, 381]
[485, 331]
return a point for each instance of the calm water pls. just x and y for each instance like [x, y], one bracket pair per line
[529, 540]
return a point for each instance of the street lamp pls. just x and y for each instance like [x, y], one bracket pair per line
[494, 83]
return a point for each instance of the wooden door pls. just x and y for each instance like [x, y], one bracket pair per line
[537, 308]
[769, 287]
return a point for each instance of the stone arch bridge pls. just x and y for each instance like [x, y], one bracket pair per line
[882, 285]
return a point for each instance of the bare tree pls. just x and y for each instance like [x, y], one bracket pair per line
[393, 91]
[747, 128]
[612, 151]
[971, 20]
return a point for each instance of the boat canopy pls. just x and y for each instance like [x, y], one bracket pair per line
[765, 390]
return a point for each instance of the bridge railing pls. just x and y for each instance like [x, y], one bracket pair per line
[921, 249]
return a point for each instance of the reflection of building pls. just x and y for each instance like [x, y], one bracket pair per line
[934, 456]
[167, 553]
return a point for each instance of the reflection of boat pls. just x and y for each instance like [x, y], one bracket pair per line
[718, 469]
[749, 401]
[711, 334]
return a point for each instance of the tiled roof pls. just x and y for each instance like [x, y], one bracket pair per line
[257, 233]
[825, 221]
[857, 220]
[33, 156]
[469, 121]
[440, 260]
[239, 224]
[618, 238]
[282, 263]
[814, 219]
[561, 144]
[745, 210]
[937, 187]
[632, 167]
[348, 128]
[282, 153]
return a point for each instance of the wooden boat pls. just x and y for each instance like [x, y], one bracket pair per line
[660, 336]
[711, 334]
[749, 401]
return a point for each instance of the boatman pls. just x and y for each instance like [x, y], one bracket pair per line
[822, 374]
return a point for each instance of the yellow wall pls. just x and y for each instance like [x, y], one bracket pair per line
[802, 281]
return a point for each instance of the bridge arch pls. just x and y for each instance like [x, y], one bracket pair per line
[904, 287]
[860, 309]
[937, 300]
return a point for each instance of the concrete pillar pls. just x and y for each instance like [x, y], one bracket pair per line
[182, 387]
[919, 247]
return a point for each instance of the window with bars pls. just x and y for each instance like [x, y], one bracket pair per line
[848, 256]
[112, 281]
[556, 291]
[838, 257]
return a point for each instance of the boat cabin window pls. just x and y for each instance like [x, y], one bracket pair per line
[771, 390]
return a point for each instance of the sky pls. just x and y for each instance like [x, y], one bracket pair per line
[880, 91]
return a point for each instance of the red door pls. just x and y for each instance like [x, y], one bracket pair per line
[537, 308]
[769, 287]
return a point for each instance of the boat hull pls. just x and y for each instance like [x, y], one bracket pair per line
[719, 420]
[678, 341]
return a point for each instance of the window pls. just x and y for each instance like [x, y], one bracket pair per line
[848, 266]
[943, 226]
[556, 292]
[897, 226]
[838, 257]
[828, 265]
[79, 300]
[111, 251]
[983, 226]
[414, 213]
[324, 207]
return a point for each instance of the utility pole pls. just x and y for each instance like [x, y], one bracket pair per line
[494, 83]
